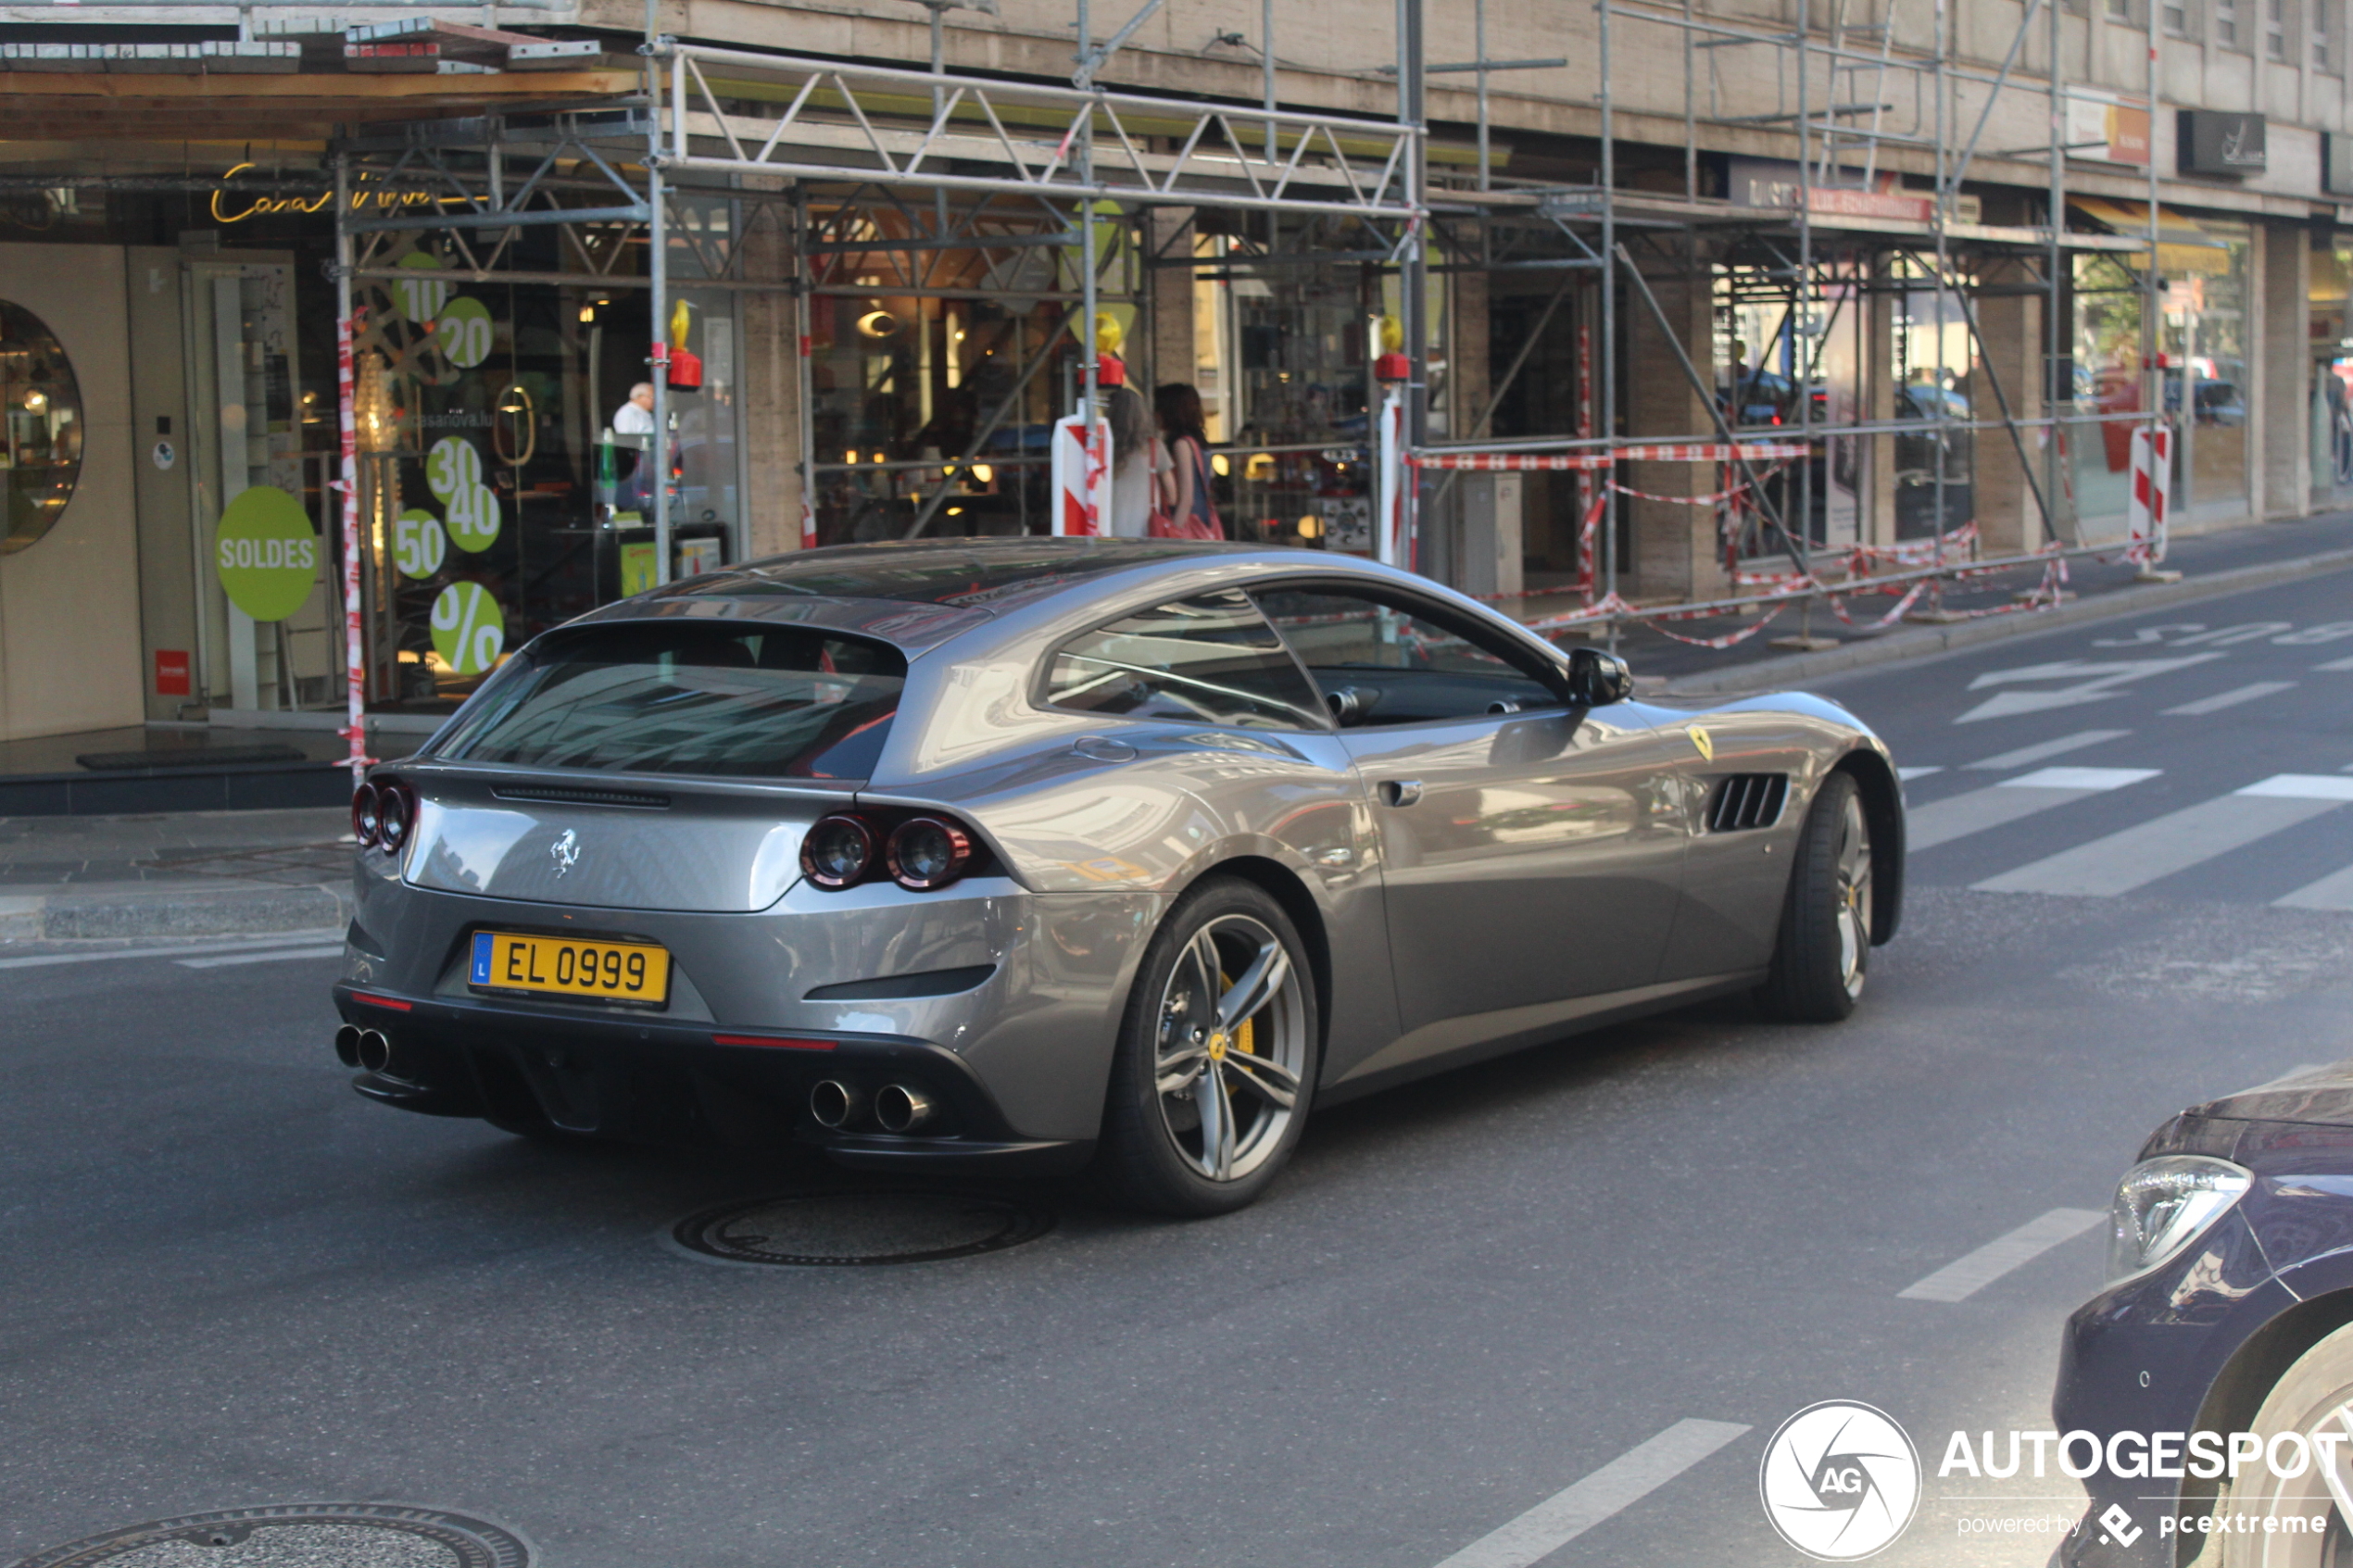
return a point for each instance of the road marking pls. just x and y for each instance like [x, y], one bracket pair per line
[1964, 1277]
[2094, 682]
[251, 943]
[1941, 821]
[2174, 842]
[1909, 774]
[2079, 778]
[330, 952]
[1576, 1509]
[2045, 750]
[2334, 891]
[2334, 665]
[2302, 786]
[2232, 697]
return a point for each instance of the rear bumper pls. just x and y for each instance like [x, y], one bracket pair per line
[653, 1079]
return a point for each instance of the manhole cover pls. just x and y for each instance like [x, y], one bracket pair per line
[318, 1535]
[838, 1228]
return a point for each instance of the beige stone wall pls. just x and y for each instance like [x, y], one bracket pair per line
[70, 657]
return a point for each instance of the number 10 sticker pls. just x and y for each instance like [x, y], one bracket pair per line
[469, 628]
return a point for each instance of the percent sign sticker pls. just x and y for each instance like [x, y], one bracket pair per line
[469, 628]
[418, 545]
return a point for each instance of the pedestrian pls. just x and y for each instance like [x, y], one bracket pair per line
[1141, 483]
[1194, 513]
[636, 416]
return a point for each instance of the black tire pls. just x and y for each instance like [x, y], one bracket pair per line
[1822, 956]
[1234, 1079]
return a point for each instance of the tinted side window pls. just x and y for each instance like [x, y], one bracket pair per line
[1211, 659]
[1378, 663]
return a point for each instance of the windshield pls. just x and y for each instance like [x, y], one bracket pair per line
[770, 701]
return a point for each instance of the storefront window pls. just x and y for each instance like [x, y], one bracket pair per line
[2332, 351]
[41, 448]
[2108, 382]
[508, 483]
[2204, 337]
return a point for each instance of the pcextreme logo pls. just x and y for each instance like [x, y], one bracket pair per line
[1839, 1481]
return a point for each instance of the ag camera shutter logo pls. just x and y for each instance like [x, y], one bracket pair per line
[1839, 1481]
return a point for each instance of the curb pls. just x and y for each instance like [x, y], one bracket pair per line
[176, 910]
[1924, 641]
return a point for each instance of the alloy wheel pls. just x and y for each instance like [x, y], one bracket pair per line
[1854, 895]
[1230, 1048]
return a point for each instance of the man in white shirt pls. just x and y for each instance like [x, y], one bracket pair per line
[636, 416]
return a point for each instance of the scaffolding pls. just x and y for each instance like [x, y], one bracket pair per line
[1859, 104]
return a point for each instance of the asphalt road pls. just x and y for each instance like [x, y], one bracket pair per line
[228, 1281]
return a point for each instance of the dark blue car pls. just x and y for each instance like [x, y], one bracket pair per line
[2223, 1345]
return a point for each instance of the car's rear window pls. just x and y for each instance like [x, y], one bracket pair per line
[770, 701]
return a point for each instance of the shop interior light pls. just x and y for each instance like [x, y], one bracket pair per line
[1309, 527]
[587, 314]
[983, 472]
[877, 323]
[1218, 466]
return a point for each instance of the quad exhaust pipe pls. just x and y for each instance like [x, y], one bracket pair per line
[897, 1108]
[836, 1104]
[368, 1049]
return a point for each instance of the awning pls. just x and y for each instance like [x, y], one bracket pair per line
[2185, 247]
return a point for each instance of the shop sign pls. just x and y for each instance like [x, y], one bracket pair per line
[368, 198]
[265, 553]
[2107, 131]
[171, 672]
[2336, 164]
[2215, 142]
[1756, 181]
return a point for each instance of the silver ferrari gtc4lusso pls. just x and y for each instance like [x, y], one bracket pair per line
[1017, 853]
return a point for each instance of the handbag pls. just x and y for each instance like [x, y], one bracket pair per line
[1191, 526]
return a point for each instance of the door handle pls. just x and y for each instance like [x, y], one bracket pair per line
[1400, 792]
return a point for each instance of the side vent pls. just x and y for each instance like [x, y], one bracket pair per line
[1747, 800]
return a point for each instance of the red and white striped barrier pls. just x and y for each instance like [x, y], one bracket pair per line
[2144, 513]
[1559, 462]
[1081, 477]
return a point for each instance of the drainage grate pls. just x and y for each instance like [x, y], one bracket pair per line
[313, 1535]
[838, 1229]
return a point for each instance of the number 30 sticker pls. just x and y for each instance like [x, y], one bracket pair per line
[469, 628]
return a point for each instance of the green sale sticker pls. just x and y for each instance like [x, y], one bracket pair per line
[265, 553]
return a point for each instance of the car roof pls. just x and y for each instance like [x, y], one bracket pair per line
[965, 573]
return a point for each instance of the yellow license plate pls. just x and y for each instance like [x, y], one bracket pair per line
[570, 966]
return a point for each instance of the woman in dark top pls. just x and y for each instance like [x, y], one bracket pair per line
[1178, 406]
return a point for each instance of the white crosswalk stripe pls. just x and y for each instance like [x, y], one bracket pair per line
[2232, 699]
[1909, 774]
[2334, 891]
[2177, 841]
[2042, 751]
[1941, 821]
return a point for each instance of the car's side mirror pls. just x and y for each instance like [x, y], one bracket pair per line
[1597, 679]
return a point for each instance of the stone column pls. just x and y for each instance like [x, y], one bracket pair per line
[1169, 356]
[770, 380]
[2280, 372]
[1674, 554]
[2010, 352]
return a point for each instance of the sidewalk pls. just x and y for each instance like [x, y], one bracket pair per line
[187, 873]
[212, 874]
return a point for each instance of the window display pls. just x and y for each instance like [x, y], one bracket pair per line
[41, 448]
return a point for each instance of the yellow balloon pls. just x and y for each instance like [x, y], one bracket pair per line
[1109, 334]
[680, 321]
[1392, 335]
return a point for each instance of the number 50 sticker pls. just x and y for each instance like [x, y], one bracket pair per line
[469, 628]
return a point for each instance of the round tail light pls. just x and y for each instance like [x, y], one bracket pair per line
[926, 853]
[396, 813]
[367, 814]
[837, 852]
